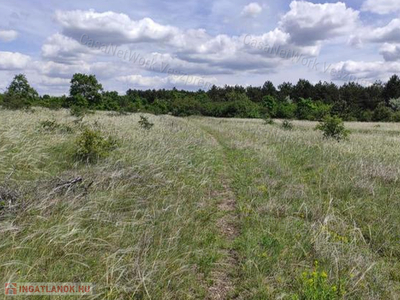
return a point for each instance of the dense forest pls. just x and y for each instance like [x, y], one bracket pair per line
[304, 100]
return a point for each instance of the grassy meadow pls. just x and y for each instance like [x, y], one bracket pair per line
[200, 208]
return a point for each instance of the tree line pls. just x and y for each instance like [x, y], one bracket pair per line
[304, 100]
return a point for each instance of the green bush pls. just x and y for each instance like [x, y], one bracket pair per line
[287, 125]
[145, 123]
[333, 127]
[14, 102]
[396, 116]
[366, 116]
[382, 114]
[80, 111]
[91, 145]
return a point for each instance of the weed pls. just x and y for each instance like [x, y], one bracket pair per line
[315, 286]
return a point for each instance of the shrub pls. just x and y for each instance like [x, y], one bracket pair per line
[145, 123]
[286, 110]
[333, 127]
[91, 145]
[287, 125]
[382, 113]
[51, 126]
[366, 116]
[14, 102]
[396, 116]
[78, 111]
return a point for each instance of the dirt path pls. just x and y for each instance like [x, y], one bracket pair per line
[224, 274]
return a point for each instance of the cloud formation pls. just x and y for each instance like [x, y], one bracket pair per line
[252, 10]
[159, 49]
[111, 27]
[390, 52]
[381, 6]
[13, 60]
[308, 23]
[8, 35]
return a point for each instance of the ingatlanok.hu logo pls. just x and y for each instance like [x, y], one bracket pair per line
[10, 289]
[37, 289]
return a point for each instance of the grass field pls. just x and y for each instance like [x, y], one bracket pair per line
[201, 208]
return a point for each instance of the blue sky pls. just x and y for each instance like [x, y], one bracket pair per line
[193, 44]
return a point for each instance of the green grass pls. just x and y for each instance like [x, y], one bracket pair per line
[142, 223]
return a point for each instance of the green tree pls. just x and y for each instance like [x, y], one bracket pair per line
[19, 93]
[382, 113]
[88, 87]
[392, 88]
[305, 109]
[271, 105]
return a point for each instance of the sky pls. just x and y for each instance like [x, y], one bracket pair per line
[193, 44]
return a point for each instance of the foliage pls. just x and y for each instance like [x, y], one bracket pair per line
[270, 103]
[13, 102]
[19, 94]
[382, 113]
[303, 100]
[91, 145]
[307, 109]
[333, 127]
[395, 104]
[145, 123]
[87, 87]
[80, 107]
[53, 103]
[183, 107]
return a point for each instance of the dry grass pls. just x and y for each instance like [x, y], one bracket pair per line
[142, 222]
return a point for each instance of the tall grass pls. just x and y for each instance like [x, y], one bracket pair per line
[141, 223]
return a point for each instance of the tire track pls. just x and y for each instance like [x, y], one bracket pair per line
[225, 273]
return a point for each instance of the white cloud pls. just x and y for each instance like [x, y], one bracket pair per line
[60, 48]
[252, 10]
[388, 33]
[111, 27]
[308, 23]
[53, 81]
[62, 70]
[179, 81]
[13, 60]
[364, 72]
[139, 80]
[8, 35]
[381, 6]
[390, 52]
